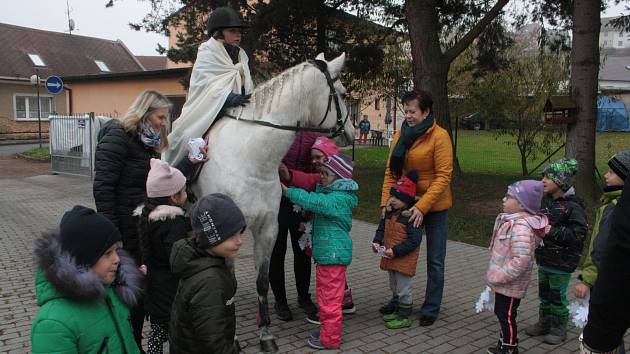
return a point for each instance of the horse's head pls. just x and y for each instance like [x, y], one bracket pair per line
[334, 113]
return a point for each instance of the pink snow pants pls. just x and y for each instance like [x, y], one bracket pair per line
[331, 280]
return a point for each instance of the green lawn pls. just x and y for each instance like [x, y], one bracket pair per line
[488, 165]
[42, 153]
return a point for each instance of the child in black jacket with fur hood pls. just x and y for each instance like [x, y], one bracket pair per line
[161, 224]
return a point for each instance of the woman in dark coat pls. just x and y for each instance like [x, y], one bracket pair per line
[125, 148]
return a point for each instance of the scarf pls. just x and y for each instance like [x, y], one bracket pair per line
[149, 136]
[408, 136]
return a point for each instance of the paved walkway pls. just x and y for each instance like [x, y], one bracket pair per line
[29, 205]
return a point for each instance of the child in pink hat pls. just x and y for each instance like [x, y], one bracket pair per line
[162, 222]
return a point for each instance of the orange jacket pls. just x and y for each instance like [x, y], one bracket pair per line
[431, 156]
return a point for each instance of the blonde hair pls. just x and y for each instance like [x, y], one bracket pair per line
[146, 103]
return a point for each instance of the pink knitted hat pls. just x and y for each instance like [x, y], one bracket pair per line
[326, 146]
[340, 164]
[164, 180]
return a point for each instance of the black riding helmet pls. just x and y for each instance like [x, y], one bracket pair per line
[224, 17]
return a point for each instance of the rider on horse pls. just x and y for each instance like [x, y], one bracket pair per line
[220, 79]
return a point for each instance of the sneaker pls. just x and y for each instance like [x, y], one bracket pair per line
[307, 305]
[348, 309]
[315, 343]
[347, 306]
[283, 312]
[315, 335]
[313, 318]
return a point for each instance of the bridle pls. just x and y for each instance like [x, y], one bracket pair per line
[333, 97]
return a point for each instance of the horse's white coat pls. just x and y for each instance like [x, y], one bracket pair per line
[244, 157]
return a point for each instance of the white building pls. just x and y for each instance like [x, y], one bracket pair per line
[612, 38]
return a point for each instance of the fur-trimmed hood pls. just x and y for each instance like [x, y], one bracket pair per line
[59, 276]
[161, 212]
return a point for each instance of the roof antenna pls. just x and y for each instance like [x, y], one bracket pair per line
[70, 21]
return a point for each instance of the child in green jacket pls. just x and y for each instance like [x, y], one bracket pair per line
[618, 169]
[332, 204]
[84, 284]
[203, 318]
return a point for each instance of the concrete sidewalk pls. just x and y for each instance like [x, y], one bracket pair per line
[30, 205]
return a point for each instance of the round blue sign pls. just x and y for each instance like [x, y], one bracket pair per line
[54, 84]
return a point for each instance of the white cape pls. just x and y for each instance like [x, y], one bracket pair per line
[213, 77]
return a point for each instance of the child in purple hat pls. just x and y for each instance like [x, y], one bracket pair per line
[516, 234]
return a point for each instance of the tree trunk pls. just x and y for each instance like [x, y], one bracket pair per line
[584, 72]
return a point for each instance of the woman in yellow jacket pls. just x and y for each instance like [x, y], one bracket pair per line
[425, 147]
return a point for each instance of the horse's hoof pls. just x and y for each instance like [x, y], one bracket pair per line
[268, 345]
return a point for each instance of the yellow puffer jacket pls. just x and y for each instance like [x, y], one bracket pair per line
[431, 156]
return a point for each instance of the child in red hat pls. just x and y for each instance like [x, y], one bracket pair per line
[399, 241]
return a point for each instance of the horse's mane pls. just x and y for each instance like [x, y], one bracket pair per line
[270, 91]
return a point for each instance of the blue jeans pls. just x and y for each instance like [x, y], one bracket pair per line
[436, 227]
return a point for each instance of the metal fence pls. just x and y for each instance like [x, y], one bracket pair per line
[73, 142]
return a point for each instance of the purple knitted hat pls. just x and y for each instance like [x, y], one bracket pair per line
[341, 165]
[529, 193]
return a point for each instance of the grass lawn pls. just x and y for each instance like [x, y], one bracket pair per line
[489, 166]
[38, 153]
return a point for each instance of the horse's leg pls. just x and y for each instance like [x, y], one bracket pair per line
[265, 238]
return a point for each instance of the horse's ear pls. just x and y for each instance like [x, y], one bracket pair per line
[320, 56]
[335, 66]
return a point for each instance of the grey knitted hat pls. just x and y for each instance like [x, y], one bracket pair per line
[620, 164]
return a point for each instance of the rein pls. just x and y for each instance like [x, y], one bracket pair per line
[333, 97]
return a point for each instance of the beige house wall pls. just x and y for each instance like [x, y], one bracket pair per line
[11, 128]
[115, 97]
[377, 116]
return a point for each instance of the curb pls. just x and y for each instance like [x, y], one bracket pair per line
[22, 142]
[34, 159]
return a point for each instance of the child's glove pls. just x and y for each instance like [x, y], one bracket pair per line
[486, 301]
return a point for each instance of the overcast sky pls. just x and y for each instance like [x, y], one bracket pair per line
[93, 19]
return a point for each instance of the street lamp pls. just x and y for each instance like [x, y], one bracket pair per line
[35, 81]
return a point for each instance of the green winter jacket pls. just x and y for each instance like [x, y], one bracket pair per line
[78, 314]
[332, 221]
[203, 319]
[599, 236]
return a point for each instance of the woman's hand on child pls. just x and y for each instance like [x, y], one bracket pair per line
[416, 217]
[375, 247]
[547, 229]
[389, 253]
[581, 290]
[283, 171]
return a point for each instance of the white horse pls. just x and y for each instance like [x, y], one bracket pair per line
[247, 145]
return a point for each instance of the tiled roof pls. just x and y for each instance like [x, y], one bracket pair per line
[613, 68]
[62, 53]
[152, 62]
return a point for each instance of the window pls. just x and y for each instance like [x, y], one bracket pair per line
[102, 66]
[26, 106]
[377, 104]
[36, 59]
[620, 43]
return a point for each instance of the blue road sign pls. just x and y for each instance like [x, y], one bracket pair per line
[54, 84]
